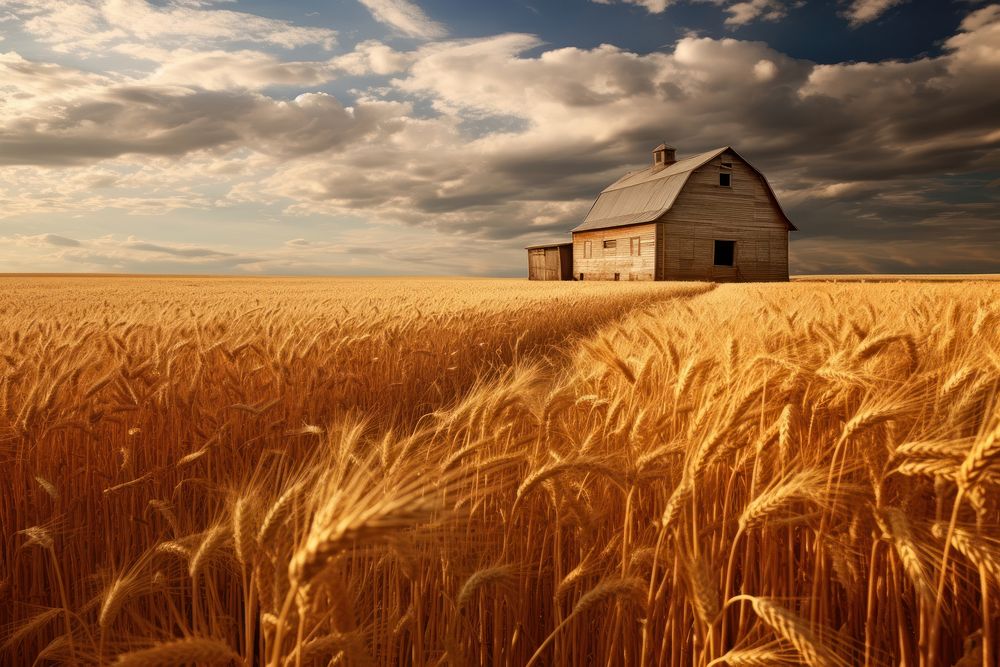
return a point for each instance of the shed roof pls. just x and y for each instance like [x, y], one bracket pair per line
[643, 196]
[547, 245]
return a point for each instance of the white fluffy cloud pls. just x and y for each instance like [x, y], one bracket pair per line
[223, 70]
[405, 17]
[864, 11]
[91, 25]
[741, 13]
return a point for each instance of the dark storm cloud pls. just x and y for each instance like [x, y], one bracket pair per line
[857, 150]
[48, 239]
[55, 239]
[176, 251]
[173, 121]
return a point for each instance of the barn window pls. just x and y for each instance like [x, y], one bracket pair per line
[727, 165]
[587, 251]
[726, 179]
[635, 246]
[611, 243]
[725, 252]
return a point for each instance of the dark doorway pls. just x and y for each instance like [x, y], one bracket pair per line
[725, 252]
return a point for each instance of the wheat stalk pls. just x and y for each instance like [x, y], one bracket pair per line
[29, 627]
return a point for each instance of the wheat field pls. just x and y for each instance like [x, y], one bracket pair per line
[430, 471]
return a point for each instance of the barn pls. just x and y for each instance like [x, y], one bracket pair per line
[711, 216]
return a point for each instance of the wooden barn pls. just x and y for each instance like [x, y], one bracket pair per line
[553, 261]
[709, 217]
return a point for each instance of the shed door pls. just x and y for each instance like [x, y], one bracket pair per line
[536, 264]
[552, 264]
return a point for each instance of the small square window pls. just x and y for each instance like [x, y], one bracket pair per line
[611, 243]
[725, 180]
[725, 252]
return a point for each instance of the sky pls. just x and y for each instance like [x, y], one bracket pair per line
[440, 137]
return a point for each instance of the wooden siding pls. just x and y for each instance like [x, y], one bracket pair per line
[604, 263]
[705, 212]
[552, 263]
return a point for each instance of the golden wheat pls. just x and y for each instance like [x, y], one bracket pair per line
[301, 471]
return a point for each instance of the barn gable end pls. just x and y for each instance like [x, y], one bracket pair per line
[745, 213]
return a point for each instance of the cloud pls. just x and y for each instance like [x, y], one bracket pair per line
[105, 119]
[189, 251]
[742, 13]
[847, 145]
[255, 70]
[474, 147]
[765, 70]
[111, 254]
[865, 11]
[832, 255]
[47, 240]
[24, 82]
[405, 17]
[224, 70]
[651, 6]
[80, 25]
[365, 253]
[372, 57]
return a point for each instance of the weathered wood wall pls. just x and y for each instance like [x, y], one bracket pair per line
[705, 212]
[604, 263]
[553, 263]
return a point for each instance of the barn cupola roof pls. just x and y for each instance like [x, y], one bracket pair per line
[663, 157]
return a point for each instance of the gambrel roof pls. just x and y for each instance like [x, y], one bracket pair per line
[643, 196]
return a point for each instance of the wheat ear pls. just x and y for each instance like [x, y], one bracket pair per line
[631, 588]
[194, 650]
[794, 630]
[502, 575]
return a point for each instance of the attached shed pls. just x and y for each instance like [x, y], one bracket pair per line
[712, 216]
[553, 261]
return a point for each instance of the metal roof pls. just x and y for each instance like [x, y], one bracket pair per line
[643, 196]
